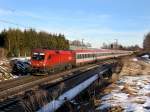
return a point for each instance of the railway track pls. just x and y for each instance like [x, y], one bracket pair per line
[18, 81]
[17, 86]
[11, 103]
[14, 103]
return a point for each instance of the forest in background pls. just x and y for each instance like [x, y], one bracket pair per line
[16, 42]
[20, 43]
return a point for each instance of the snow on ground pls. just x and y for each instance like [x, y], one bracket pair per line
[131, 93]
[145, 57]
[135, 59]
[21, 58]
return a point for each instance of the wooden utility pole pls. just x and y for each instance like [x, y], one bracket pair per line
[82, 43]
[9, 45]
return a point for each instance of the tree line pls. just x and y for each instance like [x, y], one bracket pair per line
[79, 43]
[20, 43]
[120, 47]
[146, 42]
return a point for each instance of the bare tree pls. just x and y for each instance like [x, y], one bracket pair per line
[146, 42]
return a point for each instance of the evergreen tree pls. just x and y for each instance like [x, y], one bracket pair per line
[20, 43]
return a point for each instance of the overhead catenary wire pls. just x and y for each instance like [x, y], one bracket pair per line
[13, 23]
[19, 25]
[22, 26]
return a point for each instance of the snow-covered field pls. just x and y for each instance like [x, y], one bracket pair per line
[131, 93]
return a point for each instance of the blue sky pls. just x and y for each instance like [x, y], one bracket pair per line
[95, 21]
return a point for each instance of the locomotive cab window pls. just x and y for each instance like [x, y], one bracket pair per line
[38, 56]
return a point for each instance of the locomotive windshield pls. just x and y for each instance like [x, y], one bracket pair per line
[38, 56]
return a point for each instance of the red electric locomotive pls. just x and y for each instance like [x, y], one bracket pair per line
[44, 60]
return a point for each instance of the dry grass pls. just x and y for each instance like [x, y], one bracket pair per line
[128, 90]
[131, 67]
[34, 100]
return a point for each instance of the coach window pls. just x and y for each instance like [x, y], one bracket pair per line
[85, 55]
[91, 55]
[81, 56]
[97, 54]
[78, 56]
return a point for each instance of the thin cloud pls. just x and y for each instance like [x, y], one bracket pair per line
[12, 12]
[5, 12]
